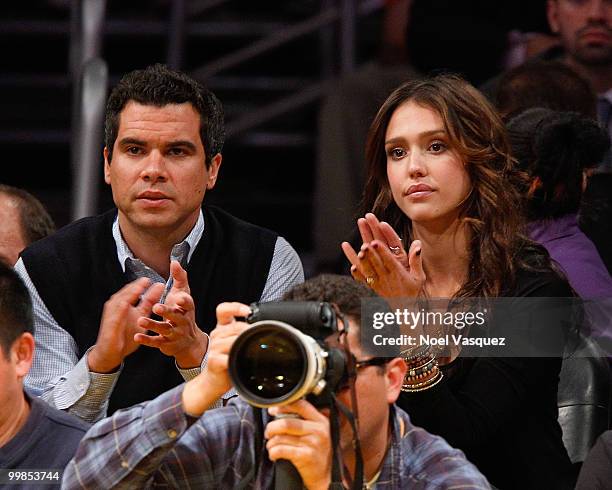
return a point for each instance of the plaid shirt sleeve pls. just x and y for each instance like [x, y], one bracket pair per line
[157, 444]
[438, 466]
[427, 461]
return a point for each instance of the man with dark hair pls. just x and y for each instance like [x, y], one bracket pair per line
[32, 434]
[164, 136]
[23, 220]
[550, 84]
[584, 29]
[175, 441]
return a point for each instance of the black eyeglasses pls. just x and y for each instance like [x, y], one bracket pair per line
[375, 361]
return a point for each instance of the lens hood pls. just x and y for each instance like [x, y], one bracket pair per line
[273, 363]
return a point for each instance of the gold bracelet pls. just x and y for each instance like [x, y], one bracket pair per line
[422, 383]
[412, 354]
[430, 361]
[423, 386]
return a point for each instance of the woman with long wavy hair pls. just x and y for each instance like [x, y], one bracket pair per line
[441, 180]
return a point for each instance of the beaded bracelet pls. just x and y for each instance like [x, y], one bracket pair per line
[424, 352]
[421, 371]
[430, 360]
[420, 374]
[413, 388]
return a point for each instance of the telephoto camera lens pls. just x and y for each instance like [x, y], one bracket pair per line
[273, 363]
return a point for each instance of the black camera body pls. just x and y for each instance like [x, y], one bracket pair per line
[284, 356]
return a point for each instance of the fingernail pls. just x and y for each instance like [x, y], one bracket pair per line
[353, 268]
[360, 255]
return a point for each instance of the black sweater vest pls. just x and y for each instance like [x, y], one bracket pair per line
[76, 271]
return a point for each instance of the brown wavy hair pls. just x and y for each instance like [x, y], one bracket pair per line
[492, 210]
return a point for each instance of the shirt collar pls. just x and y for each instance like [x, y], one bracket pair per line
[192, 240]
[544, 231]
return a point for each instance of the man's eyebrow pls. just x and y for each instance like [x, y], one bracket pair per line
[132, 141]
[424, 134]
[185, 143]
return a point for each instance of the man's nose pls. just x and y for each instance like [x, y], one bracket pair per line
[598, 10]
[155, 168]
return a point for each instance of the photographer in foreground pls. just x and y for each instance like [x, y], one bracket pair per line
[174, 441]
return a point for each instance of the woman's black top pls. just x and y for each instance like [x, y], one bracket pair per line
[502, 412]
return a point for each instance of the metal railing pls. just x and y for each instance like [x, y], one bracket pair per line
[89, 135]
[344, 13]
[89, 74]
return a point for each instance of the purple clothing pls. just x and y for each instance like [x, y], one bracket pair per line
[576, 254]
[585, 271]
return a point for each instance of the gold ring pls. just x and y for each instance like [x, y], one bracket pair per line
[370, 280]
[395, 250]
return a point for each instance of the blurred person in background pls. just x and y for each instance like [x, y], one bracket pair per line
[556, 85]
[557, 150]
[23, 220]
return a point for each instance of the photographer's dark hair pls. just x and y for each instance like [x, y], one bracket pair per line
[555, 148]
[34, 218]
[550, 84]
[158, 85]
[342, 291]
[15, 309]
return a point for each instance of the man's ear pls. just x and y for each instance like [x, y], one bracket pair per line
[106, 166]
[213, 170]
[394, 377]
[552, 13]
[22, 353]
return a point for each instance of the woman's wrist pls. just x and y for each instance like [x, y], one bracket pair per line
[423, 371]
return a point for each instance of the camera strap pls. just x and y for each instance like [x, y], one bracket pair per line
[334, 427]
[357, 483]
[351, 416]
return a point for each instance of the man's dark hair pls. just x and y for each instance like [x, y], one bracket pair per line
[550, 84]
[343, 291]
[15, 308]
[158, 85]
[34, 218]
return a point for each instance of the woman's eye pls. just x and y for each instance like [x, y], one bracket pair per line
[437, 147]
[397, 153]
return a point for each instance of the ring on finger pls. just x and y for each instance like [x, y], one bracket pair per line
[370, 280]
[395, 250]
